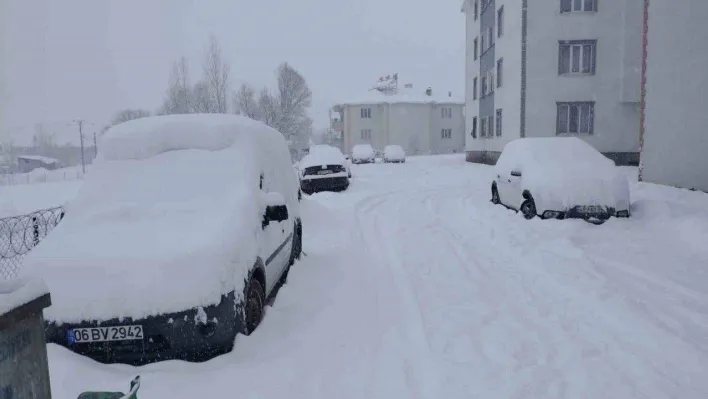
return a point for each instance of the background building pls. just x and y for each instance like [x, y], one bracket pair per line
[422, 123]
[675, 142]
[553, 68]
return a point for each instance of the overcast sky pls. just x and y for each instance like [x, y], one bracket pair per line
[89, 58]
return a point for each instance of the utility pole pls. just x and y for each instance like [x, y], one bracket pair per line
[81, 137]
[95, 146]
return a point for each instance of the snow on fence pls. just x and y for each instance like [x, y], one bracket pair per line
[41, 175]
[19, 234]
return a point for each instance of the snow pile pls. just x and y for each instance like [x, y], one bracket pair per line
[363, 151]
[404, 96]
[44, 160]
[322, 155]
[394, 153]
[172, 225]
[17, 292]
[42, 175]
[562, 172]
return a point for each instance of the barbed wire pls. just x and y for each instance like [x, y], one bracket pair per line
[19, 234]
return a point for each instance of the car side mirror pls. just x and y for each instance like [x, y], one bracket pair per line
[516, 173]
[276, 210]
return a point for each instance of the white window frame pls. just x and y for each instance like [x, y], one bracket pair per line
[578, 6]
[365, 113]
[577, 47]
[583, 109]
[366, 134]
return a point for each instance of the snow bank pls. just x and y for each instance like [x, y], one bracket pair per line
[562, 172]
[394, 153]
[404, 97]
[322, 155]
[363, 151]
[167, 220]
[17, 292]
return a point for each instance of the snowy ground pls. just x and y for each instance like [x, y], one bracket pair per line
[416, 286]
[25, 198]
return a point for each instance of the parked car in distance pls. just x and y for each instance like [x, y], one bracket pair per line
[394, 154]
[363, 153]
[558, 178]
[324, 169]
[182, 230]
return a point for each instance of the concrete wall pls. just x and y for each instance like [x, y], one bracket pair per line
[616, 122]
[456, 123]
[676, 134]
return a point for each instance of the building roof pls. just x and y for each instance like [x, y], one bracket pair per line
[404, 97]
[42, 159]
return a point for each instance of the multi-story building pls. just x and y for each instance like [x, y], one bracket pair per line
[675, 149]
[420, 123]
[538, 68]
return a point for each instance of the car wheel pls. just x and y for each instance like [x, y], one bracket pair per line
[528, 209]
[255, 305]
[495, 196]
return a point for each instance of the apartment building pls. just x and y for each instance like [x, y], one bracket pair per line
[422, 123]
[675, 142]
[553, 68]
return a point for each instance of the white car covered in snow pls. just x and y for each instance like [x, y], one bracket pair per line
[180, 233]
[394, 154]
[363, 153]
[557, 178]
[324, 168]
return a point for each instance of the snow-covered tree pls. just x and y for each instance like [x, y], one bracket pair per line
[216, 77]
[129, 114]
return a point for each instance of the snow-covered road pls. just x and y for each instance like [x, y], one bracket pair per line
[416, 286]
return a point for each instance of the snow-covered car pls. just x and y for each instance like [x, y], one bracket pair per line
[558, 178]
[324, 169]
[394, 154]
[182, 230]
[363, 153]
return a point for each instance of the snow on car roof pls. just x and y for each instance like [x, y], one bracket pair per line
[394, 150]
[45, 160]
[166, 220]
[322, 155]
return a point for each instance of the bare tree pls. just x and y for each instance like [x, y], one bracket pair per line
[294, 99]
[177, 99]
[216, 77]
[201, 101]
[246, 103]
[129, 114]
[268, 106]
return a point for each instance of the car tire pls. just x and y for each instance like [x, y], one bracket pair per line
[528, 209]
[495, 196]
[254, 305]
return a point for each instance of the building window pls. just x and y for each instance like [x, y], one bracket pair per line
[446, 133]
[500, 66]
[483, 49]
[476, 48]
[474, 88]
[366, 113]
[499, 122]
[483, 127]
[474, 127]
[366, 134]
[476, 9]
[484, 86]
[500, 21]
[577, 57]
[578, 6]
[446, 113]
[576, 118]
[490, 126]
[490, 37]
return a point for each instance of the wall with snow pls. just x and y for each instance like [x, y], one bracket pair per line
[616, 122]
[508, 96]
[456, 143]
[676, 137]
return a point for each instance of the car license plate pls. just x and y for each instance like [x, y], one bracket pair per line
[591, 209]
[104, 334]
[324, 172]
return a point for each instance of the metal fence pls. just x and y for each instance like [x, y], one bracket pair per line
[19, 234]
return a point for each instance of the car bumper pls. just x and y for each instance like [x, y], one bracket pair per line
[580, 213]
[324, 184]
[364, 160]
[178, 335]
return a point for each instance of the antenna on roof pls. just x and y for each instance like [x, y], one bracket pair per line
[387, 85]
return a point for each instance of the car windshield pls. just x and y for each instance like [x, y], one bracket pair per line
[354, 199]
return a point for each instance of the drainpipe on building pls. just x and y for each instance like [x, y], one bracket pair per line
[642, 113]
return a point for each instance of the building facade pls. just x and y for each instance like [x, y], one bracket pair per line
[553, 68]
[422, 125]
[675, 133]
